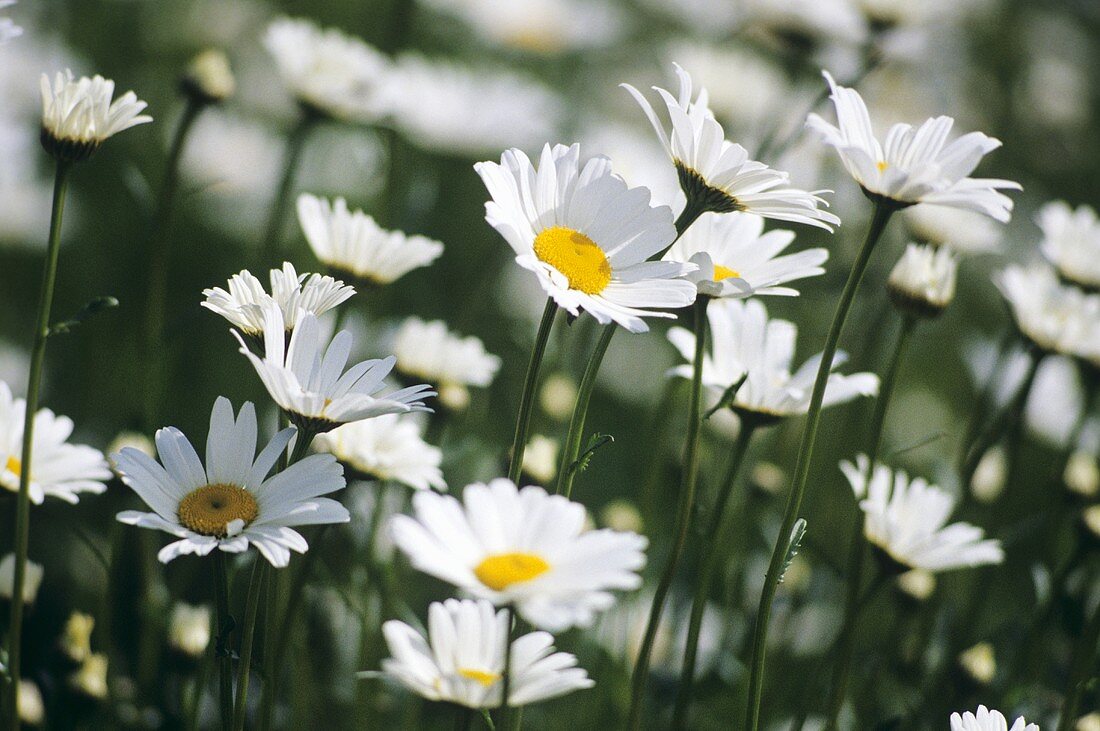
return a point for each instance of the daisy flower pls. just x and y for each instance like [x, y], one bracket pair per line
[429, 351]
[914, 165]
[462, 658]
[58, 469]
[78, 115]
[521, 547]
[294, 294]
[389, 447]
[907, 520]
[922, 283]
[746, 344]
[306, 377]
[231, 502]
[328, 72]
[352, 244]
[735, 258]
[1054, 317]
[585, 235]
[1071, 242]
[716, 174]
[987, 720]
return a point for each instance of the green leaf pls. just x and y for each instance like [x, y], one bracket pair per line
[797, 533]
[727, 397]
[596, 441]
[98, 304]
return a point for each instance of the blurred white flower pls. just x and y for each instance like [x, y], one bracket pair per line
[622, 515]
[917, 583]
[637, 160]
[351, 243]
[1056, 399]
[1055, 91]
[540, 458]
[521, 547]
[540, 26]
[9, 30]
[808, 22]
[76, 638]
[987, 720]
[585, 235]
[965, 232]
[429, 351]
[1091, 518]
[979, 663]
[714, 19]
[230, 503]
[189, 629]
[915, 165]
[388, 447]
[91, 677]
[78, 115]
[209, 76]
[32, 711]
[1071, 242]
[1088, 722]
[1082, 473]
[32, 579]
[462, 659]
[558, 396]
[922, 283]
[58, 469]
[1055, 317]
[991, 475]
[736, 259]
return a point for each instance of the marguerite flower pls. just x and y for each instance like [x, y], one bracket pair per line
[1071, 242]
[429, 351]
[746, 344]
[58, 469]
[328, 72]
[716, 174]
[907, 520]
[987, 720]
[78, 115]
[521, 547]
[352, 244]
[915, 165]
[462, 658]
[231, 502]
[1054, 317]
[737, 259]
[922, 283]
[306, 377]
[585, 235]
[294, 294]
[389, 447]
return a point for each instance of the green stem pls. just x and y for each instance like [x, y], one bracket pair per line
[34, 383]
[881, 216]
[567, 471]
[530, 385]
[683, 515]
[711, 558]
[244, 671]
[858, 550]
[221, 639]
[1084, 658]
[269, 246]
[504, 722]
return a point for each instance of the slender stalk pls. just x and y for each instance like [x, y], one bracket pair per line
[567, 471]
[34, 383]
[1084, 658]
[221, 639]
[711, 558]
[505, 718]
[683, 515]
[244, 672]
[295, 144]
[881, 216]
[530, 385]
[858, 550]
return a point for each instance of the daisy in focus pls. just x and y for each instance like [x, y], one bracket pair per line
[914, 165]
[1054, 317]
[1071, 242]
[745, 343]
[987, 720]
[521, 547]
[717, 175]
[231, 503]
[462, 658]
[58, 469]
[306, 377]
[388, 447]
[78, 115]
[922, 283]
[294, 294]
[586, 235]
[735, 258]
[352, 244]
[907, 521]
[429, 351]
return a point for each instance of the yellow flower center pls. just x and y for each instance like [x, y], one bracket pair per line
[504, 569]
[721, 272]
[576, 256]
[882, 165]
[14, 465]
[481, 676]
[211, 508]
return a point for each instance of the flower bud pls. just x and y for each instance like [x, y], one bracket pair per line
[209, 77]
[922, 283]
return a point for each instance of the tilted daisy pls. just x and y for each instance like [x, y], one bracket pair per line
[746, 344]
[58, 469]
[294, 294]
[1054, 317]
[328, 72]
[350, 243]
[306, 377]
[1071, 242]
[586, 235]
[388, 447]
[231, 502]
[521, 547]
[737, 259]
[429, 351]
[914, 165]
[78, 115]
[462, 658]
[716, 174]
[907, 521]
[922, 283]
[987, 720]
